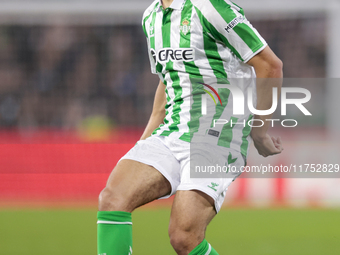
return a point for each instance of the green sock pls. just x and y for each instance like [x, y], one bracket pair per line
[203, 249]
[114, 233]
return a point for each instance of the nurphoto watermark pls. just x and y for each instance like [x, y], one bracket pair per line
[225, 112]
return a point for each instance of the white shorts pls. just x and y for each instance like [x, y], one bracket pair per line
[171, 157]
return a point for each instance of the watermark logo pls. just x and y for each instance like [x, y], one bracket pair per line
[240, 99]
[204, 99]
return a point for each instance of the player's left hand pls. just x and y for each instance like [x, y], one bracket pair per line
[268, 146]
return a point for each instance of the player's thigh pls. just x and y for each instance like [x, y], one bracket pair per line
[191, 213]
[132, 184]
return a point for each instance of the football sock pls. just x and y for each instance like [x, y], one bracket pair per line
[114, 233]
[203, 248]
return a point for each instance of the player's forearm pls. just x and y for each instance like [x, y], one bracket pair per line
[265, 101]
[269, 77]
[155, 120]
[158, 111]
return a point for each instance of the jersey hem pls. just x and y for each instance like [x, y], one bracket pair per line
[256, 51]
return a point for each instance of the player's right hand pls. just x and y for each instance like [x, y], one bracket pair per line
[268, 146]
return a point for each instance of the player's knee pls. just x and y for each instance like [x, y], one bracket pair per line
[110, 200]
[183, 241]
[180, 241]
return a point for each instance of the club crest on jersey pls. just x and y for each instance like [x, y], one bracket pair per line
[185, 28]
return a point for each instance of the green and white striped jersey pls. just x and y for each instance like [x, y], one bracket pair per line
[196, 42]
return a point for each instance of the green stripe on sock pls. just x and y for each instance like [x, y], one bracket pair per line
[114, 216]
[203, 248]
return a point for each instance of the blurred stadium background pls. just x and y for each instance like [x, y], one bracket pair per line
[76, 93]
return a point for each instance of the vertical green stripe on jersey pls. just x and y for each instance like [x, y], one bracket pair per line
[246, 132]
[194, 76]
[241, 29]
[152, 38]
[147, 17]
[248, 36]
[185, 40]
[214, 58]
[240, 10]
[166, 33]
[224, 95]
[168, 100]
[166, 28]
[167, 42]
[216, 64]
[195, 115]
[158, 66]
[227, 133]
[195, 111]
[166, 112]
[152, 46]
[224, 10]
[215, 33]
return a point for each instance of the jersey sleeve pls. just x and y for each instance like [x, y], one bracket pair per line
[150, 51]
[227, 23]
[151, 57]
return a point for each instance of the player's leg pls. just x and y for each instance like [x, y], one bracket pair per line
[130, 185]
[147, 172]
[191, 213]
[199, 199]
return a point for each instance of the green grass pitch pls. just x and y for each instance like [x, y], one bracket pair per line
[233, 231]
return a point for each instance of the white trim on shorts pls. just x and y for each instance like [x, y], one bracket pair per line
[206, 191]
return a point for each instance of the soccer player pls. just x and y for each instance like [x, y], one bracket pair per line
[193, 45]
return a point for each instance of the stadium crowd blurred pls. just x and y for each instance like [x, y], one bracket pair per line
[58, 76]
